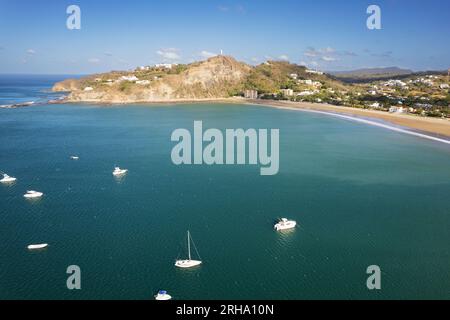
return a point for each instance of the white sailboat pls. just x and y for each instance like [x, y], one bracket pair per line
[189, 263]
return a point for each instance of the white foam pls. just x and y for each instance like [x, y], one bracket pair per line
[369, 122]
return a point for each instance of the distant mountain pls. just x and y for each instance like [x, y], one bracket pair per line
[371, 73]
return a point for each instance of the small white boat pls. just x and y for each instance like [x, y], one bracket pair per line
[163, 296]
[7, 179]
[189, 263]
[119, 172]
[285, 224]
[74, 157]
[33, 194]
[37, 246]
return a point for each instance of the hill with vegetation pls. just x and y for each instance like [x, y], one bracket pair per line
[216, 78]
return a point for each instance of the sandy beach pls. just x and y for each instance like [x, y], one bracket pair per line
[433, 126]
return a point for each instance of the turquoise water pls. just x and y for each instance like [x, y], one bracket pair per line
[362, 196]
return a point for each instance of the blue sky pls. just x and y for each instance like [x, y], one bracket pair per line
[324, 34]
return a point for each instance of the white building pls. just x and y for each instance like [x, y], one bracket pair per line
[287, 92]
[143, 82]
[314, 71]
[293, 76]
[395, 83]
[395, 109]
[306, 93]
[165, 65]
[251, 94]
[88, 89]
[444, 86]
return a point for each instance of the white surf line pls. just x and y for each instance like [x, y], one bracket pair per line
[373, 123]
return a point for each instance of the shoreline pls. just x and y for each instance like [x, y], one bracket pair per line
[422, 126]
[430, 128]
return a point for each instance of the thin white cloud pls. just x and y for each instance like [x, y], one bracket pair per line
[93, 60]
[169, 54]
[236, 9]
[328, 58]
[207, 54]
[31, 51]
[283, 57]
[311, 52]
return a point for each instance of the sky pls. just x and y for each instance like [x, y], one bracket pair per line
[329, 35]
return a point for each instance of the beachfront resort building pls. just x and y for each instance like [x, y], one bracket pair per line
[287, 92]
[395, 109]
[251, 94]
[307, 93]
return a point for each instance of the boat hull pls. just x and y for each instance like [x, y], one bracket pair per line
[284, 227]
[33, 196]
[186, 264]
[37, 246]
[120, 173]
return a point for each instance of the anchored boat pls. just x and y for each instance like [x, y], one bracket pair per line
[189, 263]
[37, 246]
[285, 224]
[7, 179]
[163, 296]
[119, 172]
[33, 194]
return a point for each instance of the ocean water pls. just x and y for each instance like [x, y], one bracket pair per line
[362, 196]
[17, 89]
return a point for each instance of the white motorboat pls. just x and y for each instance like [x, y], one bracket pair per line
[33, 194]
[285, 224]
[7, 179]
[189, 263]
[37, 246]
[163, 296]
[74, 157]
[119, 172]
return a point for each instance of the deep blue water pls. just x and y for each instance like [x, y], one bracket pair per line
[16, 89]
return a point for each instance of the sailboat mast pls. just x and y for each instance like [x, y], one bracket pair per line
[189, 245]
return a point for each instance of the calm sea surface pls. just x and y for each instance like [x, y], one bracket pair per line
[362, 196]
